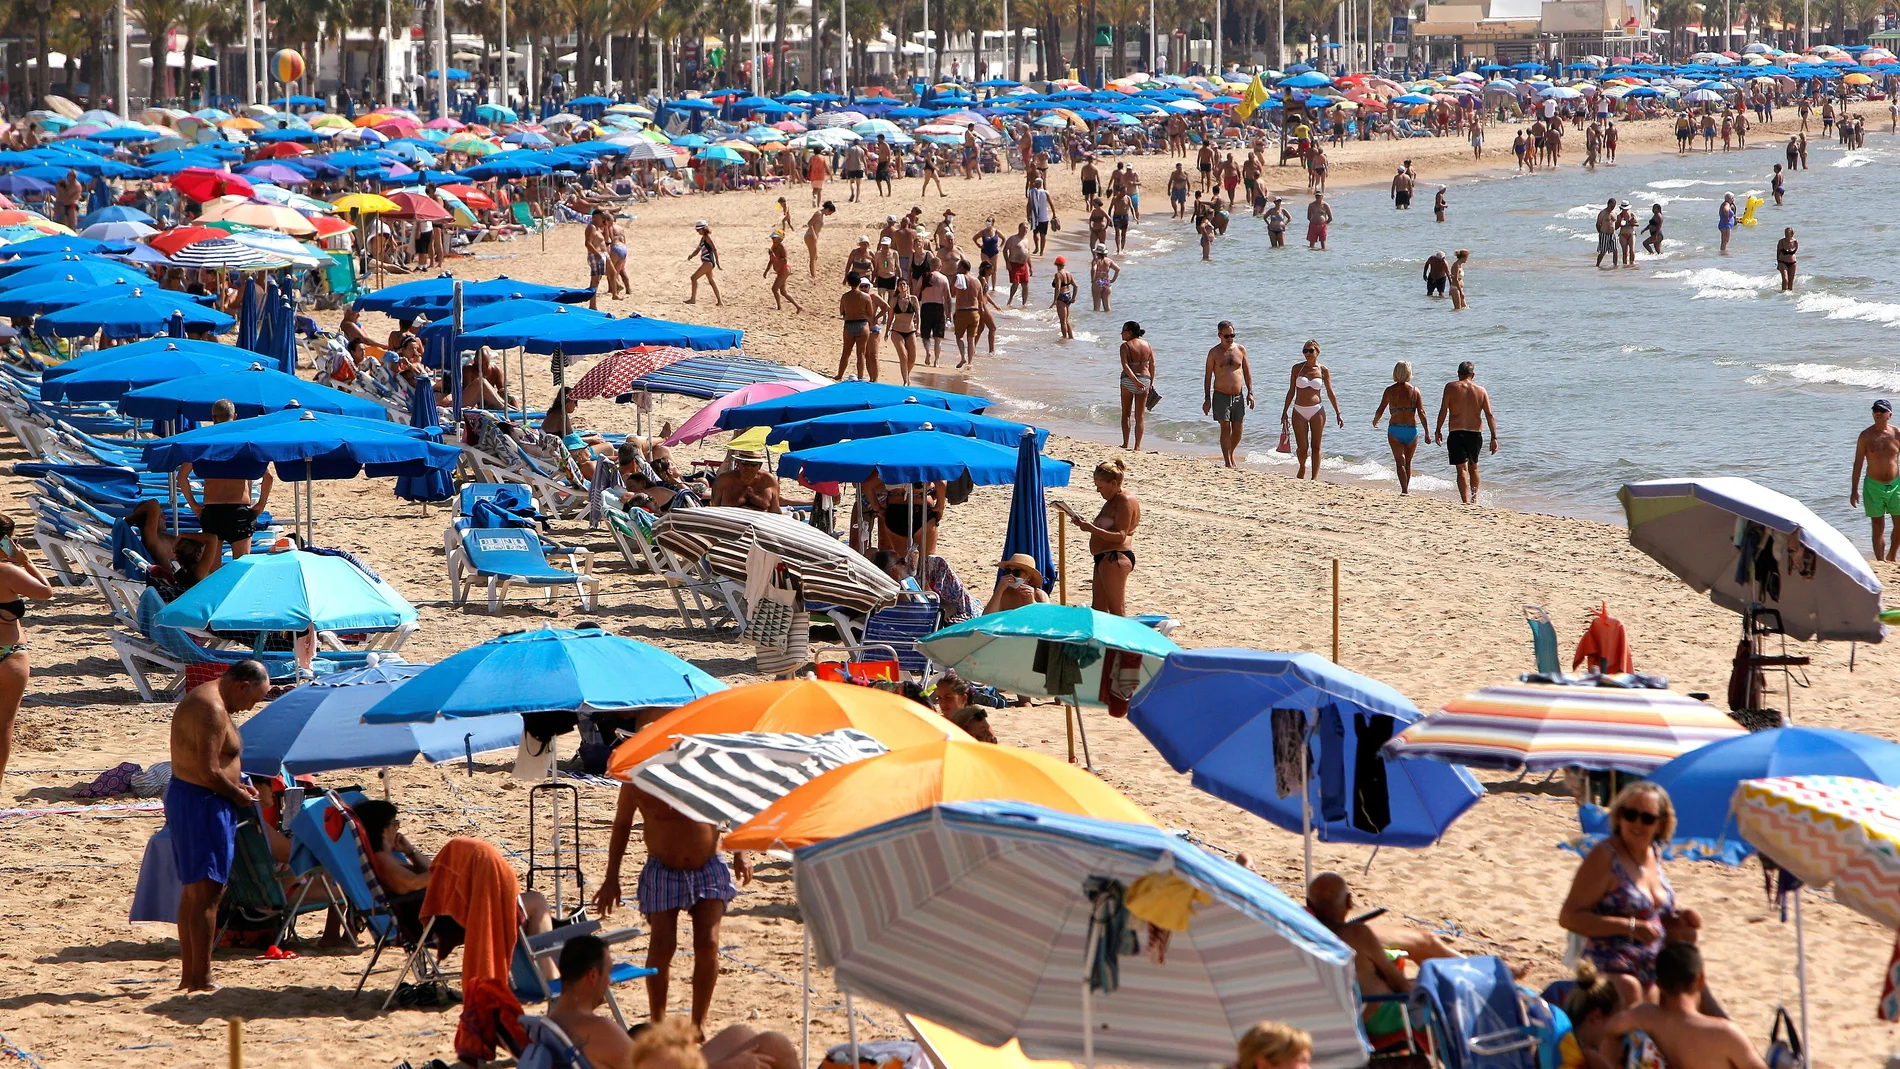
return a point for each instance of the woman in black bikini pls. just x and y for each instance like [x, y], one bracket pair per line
[1111, 537]
[20, 579]
[902, 327]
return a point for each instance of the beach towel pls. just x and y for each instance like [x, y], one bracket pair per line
[1121, 678]
[491, 1017]
[1333, 803]
[1605, 644]
[1291, 757]
[1371, 796]
[472, 883]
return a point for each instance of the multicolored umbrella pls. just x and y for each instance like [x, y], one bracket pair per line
[1829, 830]
[1542, 726]
[617, 374]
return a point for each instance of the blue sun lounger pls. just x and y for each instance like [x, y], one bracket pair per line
[513, 556]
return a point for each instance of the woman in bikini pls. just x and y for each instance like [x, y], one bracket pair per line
[905, 510]
[902, 327]
[1785, 252]
[1137, 378]
[20, 579]
[1307, 404]
[778, 265]
[1620, 900]
[1111, 537]
[813, 228]
[1405, 402]
[708, 256]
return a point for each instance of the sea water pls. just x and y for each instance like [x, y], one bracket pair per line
[1689, 364]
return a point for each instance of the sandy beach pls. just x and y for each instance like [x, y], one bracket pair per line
[1432, 602]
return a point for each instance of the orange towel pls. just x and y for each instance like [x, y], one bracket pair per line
[1604, 644]
[472, 883]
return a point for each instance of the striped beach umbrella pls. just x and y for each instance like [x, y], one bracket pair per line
[1830, 831]
[617, 374]
[1541, 726]
[982, 916]
[831, 572]
[223, 254]
[728, 778]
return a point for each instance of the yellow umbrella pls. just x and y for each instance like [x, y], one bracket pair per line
[330, 122]
[241, 123]
[746, 147]
[1858, 78]
[367, 203]
[953, 1050]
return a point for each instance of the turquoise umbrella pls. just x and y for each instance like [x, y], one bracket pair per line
[293, 591]
[1000, 649]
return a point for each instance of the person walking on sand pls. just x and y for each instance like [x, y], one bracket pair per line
[1064, 300]
[1468, 407]
[20, 578]
[1309, 387]
[1458, 261]
[1178, 190]
[1040, 213]
[1606, 233]
[1877, 490]
[816, 172]
[1785, 251]
[862, 312]
[1725, 219]
[708, 255]
[1016, 261]
[205, 801]
[1137, 381]
[1227, 390]
[815, 226]
[594, 240]
[1319, 216]
[1406, 405]
[778, 264]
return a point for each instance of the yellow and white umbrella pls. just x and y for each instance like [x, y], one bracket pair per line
[1830, 831]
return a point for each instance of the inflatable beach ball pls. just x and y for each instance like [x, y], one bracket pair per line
[289, 65]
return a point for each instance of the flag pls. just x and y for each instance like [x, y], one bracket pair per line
[1255, 96]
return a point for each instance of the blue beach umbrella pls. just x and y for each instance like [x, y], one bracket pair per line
[168, 347]
[318, 727]
[925, 911]
[140, 314]
[52, 243]
[503, 168]
[850, 396]
[53, 295]
[918, 456]
[25, 187]
[1028, 530]
[577, 335]
[116, 213]
[1210, 713]
[109, 381]
[899, 419]
[437, 484]
[551, 669]
[293, 591]
[80, 273]
[127, 232]
[1702, 782]
[255, 390]
[301, 444]
[433, 296]
[249, 313]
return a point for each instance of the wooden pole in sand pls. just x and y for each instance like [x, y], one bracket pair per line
[1335, 610]
[237, 1041]
[1062, 572]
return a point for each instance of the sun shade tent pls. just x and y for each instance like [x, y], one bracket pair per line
[724, 779]
[1689, 527]
[551, 669]
[829, 571]
[977, 915]
[1209, 713]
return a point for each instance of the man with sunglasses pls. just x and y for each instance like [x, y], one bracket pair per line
[1018, 583]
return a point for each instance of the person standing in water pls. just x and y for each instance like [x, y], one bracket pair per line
[1309, 387]
[1785, 251]
[1725, 219]
[1227, 390]
[1406, 405]
[1064, 300]
[1137, 379]
[1458, 261]
[1653, 230]
[1468, 407]
[1877, 491]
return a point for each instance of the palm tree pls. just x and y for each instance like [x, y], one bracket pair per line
[157, 17]
[91, 18]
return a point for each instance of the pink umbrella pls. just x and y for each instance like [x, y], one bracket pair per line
[705, 422]
[445, 123]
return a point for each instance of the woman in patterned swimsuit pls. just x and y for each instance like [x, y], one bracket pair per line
[1621, 901]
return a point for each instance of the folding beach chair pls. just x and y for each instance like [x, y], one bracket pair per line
[531, 985]
[524, 217]
[511, 557]
[340, 281]
[254, 898]
[900, 625]
[1477, 1017]
[1543, 640]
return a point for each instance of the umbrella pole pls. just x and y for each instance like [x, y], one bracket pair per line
[851, 1026]
[804, 1031]
[1306, 812]
[1080, 729]
[1062, 570]
[309, 505]
[1801, 975]
[1068, 725]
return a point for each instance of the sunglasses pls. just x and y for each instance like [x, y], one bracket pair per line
[1638, 816]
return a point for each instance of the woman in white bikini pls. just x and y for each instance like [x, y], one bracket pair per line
[1309, 387]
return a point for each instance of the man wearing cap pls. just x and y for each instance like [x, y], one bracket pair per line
[746, 484]
[1018, 583]
[1878, 490]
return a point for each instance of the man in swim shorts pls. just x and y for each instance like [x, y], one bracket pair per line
[1606, 233]
[227, 510]
[1227, 390]
[1878, 490]
[1016, 259]
[1467, 406]
[204, 803]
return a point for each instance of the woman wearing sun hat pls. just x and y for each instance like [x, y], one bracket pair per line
[1018, 583]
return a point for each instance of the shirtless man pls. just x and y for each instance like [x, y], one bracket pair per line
[1878, 490]
[747, 485]
[1468, 407]
[68, 193]
[1016, 259]
[1686, 1037]
[585, 967]
[966, 297]
[1329, 900]
[1606, 233]
[1178, 190]
[1402, 185]
[1224, 381]
[683, 872]
[227, 510]
[203, 805]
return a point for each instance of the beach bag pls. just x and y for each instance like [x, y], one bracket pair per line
[1286, 440]
[1154, 398]
[1055, 224]
[1783, 1053]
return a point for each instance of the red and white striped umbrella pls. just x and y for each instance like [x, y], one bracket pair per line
[617, 374]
